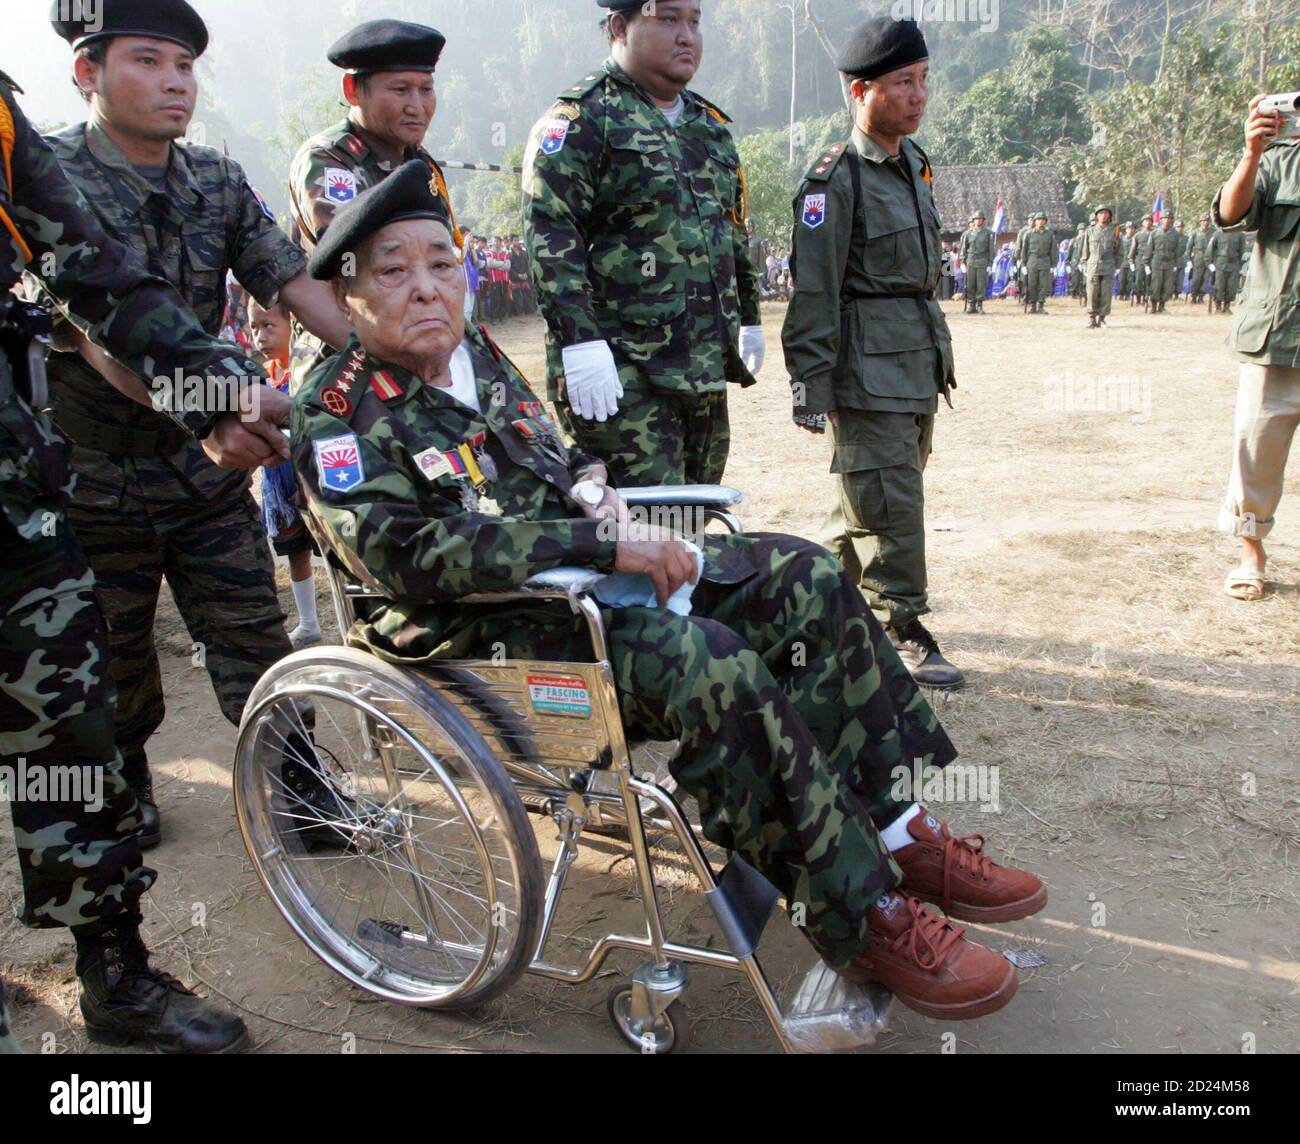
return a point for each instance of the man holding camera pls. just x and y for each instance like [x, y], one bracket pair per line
[1263, 195]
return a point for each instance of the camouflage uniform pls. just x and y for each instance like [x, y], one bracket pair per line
[636, 237]
[149, 502]
[865, 337]
[330, 170]
[8, 1042]
[56, 700]
[789, 755]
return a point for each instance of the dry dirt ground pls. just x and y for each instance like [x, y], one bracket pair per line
[1076, 576]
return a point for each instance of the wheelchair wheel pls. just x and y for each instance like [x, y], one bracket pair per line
[669, 1032]
[385, 831]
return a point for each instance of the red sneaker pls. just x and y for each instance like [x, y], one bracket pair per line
[957, 876]
[929, 965]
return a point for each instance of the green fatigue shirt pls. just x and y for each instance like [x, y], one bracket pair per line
[976, 249]
[1165, 245]
[1038, 251]
[864, 330]
[1139, 249]
[1226, 251]
[1075, 250]
[1267, 330]
[1198, 250]
[636, 235]
[107, 293]
[1099, 250]
[331, 169]
[431, 500]
[208, 221]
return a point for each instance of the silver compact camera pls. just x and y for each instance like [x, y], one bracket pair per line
[1289, 106]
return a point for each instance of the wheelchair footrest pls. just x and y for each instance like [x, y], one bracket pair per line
[829, 1014]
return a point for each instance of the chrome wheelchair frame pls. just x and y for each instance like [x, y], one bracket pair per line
[577, 770]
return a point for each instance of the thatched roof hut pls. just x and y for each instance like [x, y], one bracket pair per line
[959, 191]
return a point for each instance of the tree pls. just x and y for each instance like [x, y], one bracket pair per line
[1180, 134]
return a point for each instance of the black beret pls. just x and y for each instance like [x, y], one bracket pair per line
[87, 23]
[620, 5]
[409, 192]
[882, 45]
[388, 45]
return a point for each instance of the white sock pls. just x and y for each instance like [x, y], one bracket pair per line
[895, 835]
[304, 595]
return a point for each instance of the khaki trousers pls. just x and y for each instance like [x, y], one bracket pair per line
[1268, 411]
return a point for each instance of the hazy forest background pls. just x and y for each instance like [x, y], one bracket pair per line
[1125, 97]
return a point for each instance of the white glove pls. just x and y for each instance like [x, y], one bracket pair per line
[1146, 270]
[753, 348]
[591, 380]
[1189, 268]
[1213, 267]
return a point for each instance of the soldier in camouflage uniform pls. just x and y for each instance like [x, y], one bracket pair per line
[635, 207]
[1166, 245]
[1098, 254]
[81, 866]
[867, 344]
[1198, 254]
[1038, 255]
[388, 83]
[149, 502]
[435, 472]
[976, 253]
[1226, 254]
[1076, 276]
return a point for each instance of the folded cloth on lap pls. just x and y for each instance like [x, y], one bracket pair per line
[636, 590]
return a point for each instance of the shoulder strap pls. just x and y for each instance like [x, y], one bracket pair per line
[8, 137]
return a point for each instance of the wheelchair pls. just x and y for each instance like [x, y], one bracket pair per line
[413, 871]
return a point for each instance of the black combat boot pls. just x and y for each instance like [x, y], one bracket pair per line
[135, 769]
[310, 809]
[919, 651]
[124, 1000]
[1092, 321]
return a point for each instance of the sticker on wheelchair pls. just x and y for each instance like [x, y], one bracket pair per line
[560, 695]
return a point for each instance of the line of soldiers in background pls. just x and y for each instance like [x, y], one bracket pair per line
[1151, 265]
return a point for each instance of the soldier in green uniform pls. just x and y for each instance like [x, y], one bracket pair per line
[80, 862]
[149, 502]
[1263, 195]
[436, 472]
[976, 252]
[1198, 254]
[388, 68]
[1166, 245]
[1098, 254]
[1127, 267]
[1018, 268]
[1226, 250]
[1075, 270]
[1139, 255]
[635, 206]
[1038, 252]
[866, 343]
[1182, 267]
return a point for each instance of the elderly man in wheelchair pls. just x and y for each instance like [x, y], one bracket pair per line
[434, 475]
